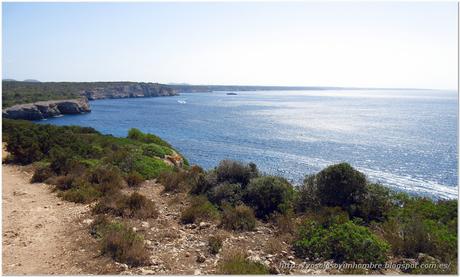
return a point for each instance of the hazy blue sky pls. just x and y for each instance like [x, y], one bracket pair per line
[330, 44]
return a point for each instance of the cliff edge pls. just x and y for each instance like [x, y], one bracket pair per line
[44, 109]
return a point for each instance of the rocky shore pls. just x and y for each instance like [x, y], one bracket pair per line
[45, 109]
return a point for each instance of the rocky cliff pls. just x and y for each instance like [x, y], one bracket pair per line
[45, 109]
[130, 90]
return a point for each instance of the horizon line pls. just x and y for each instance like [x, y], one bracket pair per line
[228, 85]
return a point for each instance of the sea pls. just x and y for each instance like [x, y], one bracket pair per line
[404, 139]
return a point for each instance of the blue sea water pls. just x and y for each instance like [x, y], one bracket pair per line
[405, 139]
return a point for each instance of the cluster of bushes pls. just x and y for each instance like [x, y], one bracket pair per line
[335, 214]
[119, 242]
[82, 163]
[134, 205]
[234, 192]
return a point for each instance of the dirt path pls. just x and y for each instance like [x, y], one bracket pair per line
[41, 233]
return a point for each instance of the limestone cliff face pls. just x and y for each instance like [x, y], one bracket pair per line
[129, 91]
[45, 109]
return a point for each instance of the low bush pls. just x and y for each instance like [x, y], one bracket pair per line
[341, 242]
[136, 134]
[99, 226]
[226, 193]
[284, 222]
[307, 195]
[63, 183]
[133, 206]
[84, 193]
[153, 150]
[175, 181]
[375, 204]
[269, 194]
[200, 209]
[106, 178]
[235, 172]
[239, 218]
[41, 174]
[123, 245]
[150, 168]
[203, 182]
[61, 160]
[215, 244]
[134, 179]
[235, 263]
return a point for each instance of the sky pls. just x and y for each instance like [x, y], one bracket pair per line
[349, 44]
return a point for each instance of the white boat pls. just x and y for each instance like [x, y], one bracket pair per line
[181, 102]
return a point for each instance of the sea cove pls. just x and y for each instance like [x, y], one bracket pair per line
[405, 139]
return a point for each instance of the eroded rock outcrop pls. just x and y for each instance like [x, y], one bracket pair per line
[45, 109]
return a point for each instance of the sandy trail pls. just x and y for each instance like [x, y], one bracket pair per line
[41, 233]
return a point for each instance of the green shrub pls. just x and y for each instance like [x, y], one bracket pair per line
[153, 150]
[107, 178]
[328, 216]
[375, 204]
[410, 231]
[99, 226]
[269, 194]
[239, 218]
[133, 206]
[123, 245]
[21, 142]
[226, 193]
[175, 181]
[83, 193]
[235, 263]
[61, 160]
[65, 182]
[41, 174]
[307, 195]
[340, 185]
[215, 244]
[134, 179]
[200, 209]
[136, 134]
[203, 182]
[150, 168]
[235, 172]
[341, 242]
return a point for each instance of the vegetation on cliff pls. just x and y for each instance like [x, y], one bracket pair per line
[14, 92]
[82, 163]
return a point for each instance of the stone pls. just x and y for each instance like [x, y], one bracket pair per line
[254, 258]
[200, 258]
[204, 225]
[146, 271]
[197, 272]
[290, 258]
[145, 224]
[123, 266]
[88, 221]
